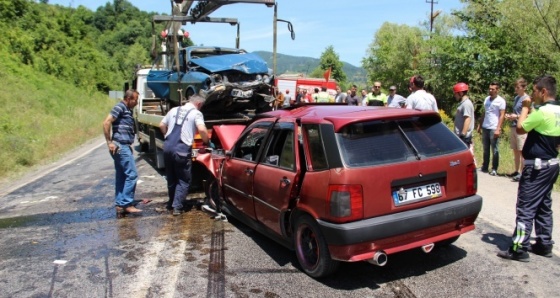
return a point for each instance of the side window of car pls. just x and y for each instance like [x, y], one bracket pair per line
[281, 150]
[249, 145]
[317, 154]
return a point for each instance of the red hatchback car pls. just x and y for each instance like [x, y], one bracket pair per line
[345, 183]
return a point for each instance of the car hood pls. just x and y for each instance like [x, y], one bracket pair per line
[247, 63]
[228, 134]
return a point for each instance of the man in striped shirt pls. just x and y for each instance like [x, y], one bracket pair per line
[121, 123]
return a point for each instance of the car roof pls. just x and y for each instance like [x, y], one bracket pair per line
[342, 115]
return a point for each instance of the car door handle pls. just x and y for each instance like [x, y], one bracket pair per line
[248, 171]
[286, 181]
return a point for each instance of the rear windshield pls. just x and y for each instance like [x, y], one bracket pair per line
[390, 141]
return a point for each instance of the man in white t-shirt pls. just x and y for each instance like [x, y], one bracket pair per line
[491, 127]
[419, 99]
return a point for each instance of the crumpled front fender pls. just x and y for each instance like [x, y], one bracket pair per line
[211, 161]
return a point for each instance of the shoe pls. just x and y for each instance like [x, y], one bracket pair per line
[516, 178]
[220, 216]
[512, 174]
[493, 173]
[484, 170]
[542, 250]
[120, 212]
[177, 211]
[132, 209]
[521, 256]
[208, 209]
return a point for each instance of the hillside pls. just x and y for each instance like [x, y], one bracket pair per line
[305, 65]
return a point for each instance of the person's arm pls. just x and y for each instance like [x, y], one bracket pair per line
[466, 125]
[526, 107]
[500, 122]
[203, 132]
[479, 128]
[163, 128]
[107, 132]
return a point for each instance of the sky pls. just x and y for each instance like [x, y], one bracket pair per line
[349, 26]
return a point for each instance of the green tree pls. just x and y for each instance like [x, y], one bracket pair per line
[330, 60]
[395, 54]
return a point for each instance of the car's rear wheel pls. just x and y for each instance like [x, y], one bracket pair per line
[312, 250]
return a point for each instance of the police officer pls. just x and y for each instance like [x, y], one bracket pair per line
[179, 127]
[540, 171]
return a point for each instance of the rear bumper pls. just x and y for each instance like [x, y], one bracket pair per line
[392, 225]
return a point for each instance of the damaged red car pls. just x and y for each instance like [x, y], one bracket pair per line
[345, 183]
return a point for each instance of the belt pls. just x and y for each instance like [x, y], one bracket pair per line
[550, 162]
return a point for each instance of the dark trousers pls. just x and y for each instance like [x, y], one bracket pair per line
[534, 204]
[178, 172]
[489, 143]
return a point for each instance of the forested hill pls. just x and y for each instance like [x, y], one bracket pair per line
[306, 65]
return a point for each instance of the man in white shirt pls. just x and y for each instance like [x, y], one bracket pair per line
[420, 99]
[491, 127]
[394, 100]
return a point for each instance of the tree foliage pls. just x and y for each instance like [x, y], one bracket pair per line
[394, 55]
[487, 40]
[330, 60]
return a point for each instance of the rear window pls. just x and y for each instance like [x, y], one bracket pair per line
[390, 141]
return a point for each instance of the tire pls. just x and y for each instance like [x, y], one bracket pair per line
[212, 194]
[447, 242]
[311, 249]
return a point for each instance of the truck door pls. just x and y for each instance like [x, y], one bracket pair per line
[239, 169]
[276, 174]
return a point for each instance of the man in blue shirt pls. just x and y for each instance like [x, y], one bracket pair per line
[121, 122]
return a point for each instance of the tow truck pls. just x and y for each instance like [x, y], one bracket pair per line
[236, 84]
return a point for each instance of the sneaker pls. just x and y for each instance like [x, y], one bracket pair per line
[542, 250]
[514, 174]
[208, 208]
[483, 170]
[220, 216]
[521, 256]
[516, 178]
[493, 173]
[177, 211]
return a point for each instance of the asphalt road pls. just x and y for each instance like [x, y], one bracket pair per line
[59, 238]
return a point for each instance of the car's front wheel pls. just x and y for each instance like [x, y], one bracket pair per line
[312, 250]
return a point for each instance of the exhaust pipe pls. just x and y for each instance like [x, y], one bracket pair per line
[428, 247]
[379, 258]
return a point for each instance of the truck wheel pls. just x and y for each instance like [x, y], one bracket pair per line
[312, 250]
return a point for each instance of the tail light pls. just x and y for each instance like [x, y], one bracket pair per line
[197, 142]
[472, 180]
[345, 202]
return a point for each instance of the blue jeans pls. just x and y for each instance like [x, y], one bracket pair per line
[126, 176]
[489, 142]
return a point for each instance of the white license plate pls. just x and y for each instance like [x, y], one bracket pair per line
[417, 193]
[241, 93]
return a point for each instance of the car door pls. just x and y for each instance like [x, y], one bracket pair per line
[239, 168]
[276, 174]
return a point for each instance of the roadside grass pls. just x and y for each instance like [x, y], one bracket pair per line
[507, 164]
[42, 117]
